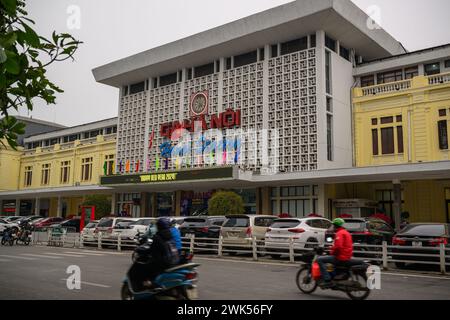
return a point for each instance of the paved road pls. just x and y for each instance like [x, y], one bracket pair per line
[40, 273]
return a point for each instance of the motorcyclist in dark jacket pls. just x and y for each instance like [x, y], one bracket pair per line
[162, 255]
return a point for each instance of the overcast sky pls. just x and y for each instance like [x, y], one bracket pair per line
[114, 29]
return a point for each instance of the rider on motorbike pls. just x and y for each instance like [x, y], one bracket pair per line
[162, 253]
[176, 235]
[341, 251]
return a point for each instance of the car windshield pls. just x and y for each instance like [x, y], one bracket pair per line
[285, 224]
[235, 222]
[91, 225]
[194, 221]
[142, 222]
[355, 225]
[105, 223]
[430, 230]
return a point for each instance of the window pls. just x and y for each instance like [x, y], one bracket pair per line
[313, 41]
[204, 70]
[328, 71]
[411, 72]
[432, 68]
[28, 176]
[228, 62]
[390, 130]
[385, 200]
[86, 169]
[45, 176]
[295, 201]
[367, 81]
[329, 137]
[344, 53]
[65, 172]
[261, 54]
[294, 45]
[217, 66]
[387, 141]
[447, 63]
[375, 142]
[390, 76]
[94, 133]
[168, 79]
[443, 134]
[125, 91]
[329, 104]
[155, 82]
[109, 164]
[137, 87]
[264, 222]
[245, 59]
[330, 43]
[274, 51]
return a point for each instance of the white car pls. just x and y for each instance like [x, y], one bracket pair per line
[129, 230]
[5, 224]
[305, 233]
[88, 231]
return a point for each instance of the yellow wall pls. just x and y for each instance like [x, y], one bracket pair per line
[9, 168]
[419, 107]
[424, 200]
[97, 150]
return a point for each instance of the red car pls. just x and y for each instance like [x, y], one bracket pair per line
[48, 222]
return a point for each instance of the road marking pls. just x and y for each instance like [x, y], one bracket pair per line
[102, 252]
[16, 257]
[91, 284]
[65, 255]
[39, 256]
[88, 253]
[409, 275]
[250, 262]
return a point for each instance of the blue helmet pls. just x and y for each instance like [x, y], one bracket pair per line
[163, 223]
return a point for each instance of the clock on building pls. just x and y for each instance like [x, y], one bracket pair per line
[199, 103]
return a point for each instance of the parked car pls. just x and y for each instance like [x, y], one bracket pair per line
[203, 227]
[142, 225]
[72, 225]
[124, 229]
[305, 232]
[14, 219]
[48, 222]
[239, 230]
[6, 224]
[88, 231]
[420, 238]
[366, 231]
[107, 224]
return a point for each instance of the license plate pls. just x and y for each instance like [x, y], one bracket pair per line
[192, 294]
[417, 244]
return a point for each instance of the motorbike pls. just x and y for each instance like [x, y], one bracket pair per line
[349, 277]
[177, 283]
[24, 236]
[9, 236]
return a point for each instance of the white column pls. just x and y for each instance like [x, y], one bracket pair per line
[59, 207]
[37, 206]
[322, 201]
[17, 213]
[113, 204]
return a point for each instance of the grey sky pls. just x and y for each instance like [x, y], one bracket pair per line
[113, 29]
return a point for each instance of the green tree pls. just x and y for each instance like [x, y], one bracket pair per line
[225, 203]
[24, 57]
[102, 204]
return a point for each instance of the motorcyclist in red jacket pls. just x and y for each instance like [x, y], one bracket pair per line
[341, 251]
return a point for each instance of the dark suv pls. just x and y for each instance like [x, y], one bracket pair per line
[365, 231]
[202, 227]
[419, 239]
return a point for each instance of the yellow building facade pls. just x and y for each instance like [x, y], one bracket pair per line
[405, 122]
[54, 180]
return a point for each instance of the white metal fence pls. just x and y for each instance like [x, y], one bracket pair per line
[384, 254]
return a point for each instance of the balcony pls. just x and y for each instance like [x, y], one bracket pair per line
[419, 82]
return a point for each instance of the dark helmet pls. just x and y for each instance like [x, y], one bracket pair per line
[163, 223]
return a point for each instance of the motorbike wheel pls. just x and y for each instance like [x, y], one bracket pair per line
[361, 294]
[27, 241]
[11, 242]
[3, 241]
[305, 282]
[125, 293]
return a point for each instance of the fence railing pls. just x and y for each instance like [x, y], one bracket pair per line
[385, 255]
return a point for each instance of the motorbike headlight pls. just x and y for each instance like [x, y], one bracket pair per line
[329, 239]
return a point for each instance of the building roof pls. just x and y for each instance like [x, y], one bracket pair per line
[404, 60]
[340, 19]
[72, 130]
[38, 121]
